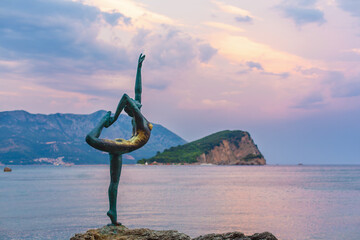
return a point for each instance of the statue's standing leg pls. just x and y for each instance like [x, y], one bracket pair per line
[115, 171]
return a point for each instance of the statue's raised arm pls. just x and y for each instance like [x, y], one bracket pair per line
[138, 88]
[138, 91]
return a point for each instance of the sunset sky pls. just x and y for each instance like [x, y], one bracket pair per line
[286, 71]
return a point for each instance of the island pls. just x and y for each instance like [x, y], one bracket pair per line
[221, 148]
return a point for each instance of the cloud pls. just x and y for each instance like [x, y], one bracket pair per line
[139, 40]
[356, 50]
[351, 6]
[216, 104]
[341, 86]
[224, 26]
[246, 71]
[349, 89]
[206, 52]
[72, 47]
[80, 85]
[352, 54]
[172, 48]
[336, 82]
[311, 101]
[303, 16]
[157, 86]
[302, 12]
[282, 75]
[169, 47]
[170, 52]
[304, 3]
[57, 30]
[255, 65]
[243, 19]
[59, 45]
[242, 14]
[114, 17]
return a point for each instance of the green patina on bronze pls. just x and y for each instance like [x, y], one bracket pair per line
[116, 148]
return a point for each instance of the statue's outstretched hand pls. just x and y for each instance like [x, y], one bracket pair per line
[141, 59]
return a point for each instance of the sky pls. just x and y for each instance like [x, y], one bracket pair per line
[286, 71]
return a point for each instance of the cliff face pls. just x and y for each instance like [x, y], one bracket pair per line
[244, 152]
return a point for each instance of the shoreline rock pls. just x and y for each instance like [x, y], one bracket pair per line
[122, 233]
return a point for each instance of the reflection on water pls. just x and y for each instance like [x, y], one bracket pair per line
[292, 202]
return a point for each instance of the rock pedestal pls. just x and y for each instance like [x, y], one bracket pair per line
[123, 233]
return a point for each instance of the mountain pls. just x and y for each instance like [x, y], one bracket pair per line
[27, 138]
[221, 148]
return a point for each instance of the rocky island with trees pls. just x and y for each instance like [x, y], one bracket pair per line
[221, 148]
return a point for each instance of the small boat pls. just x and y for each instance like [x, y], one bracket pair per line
[7, 169]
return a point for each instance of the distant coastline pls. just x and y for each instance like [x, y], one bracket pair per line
[59, 139]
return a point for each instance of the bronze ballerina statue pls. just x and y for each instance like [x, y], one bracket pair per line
[116, 148]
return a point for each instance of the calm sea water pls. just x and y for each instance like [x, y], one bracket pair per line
[292, 202]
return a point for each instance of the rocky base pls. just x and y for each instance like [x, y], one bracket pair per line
[123, 233]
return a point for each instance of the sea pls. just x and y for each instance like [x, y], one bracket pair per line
[292, 202]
